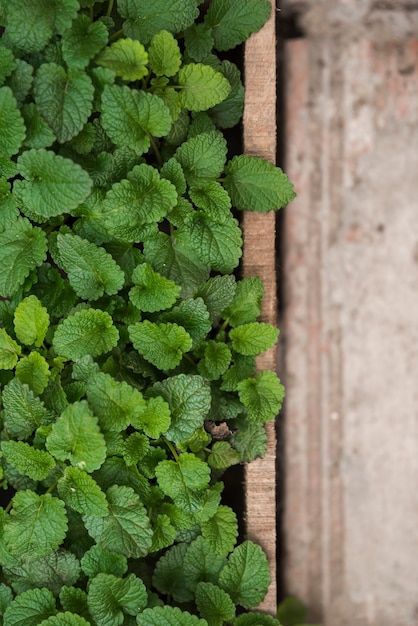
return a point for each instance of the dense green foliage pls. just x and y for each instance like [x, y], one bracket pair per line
[127, 344]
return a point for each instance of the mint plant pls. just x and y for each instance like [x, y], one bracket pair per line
[127, 342]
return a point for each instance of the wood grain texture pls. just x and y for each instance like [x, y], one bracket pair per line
[259, 260]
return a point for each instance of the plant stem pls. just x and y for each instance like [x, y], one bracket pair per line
[171, 448]
[156, 150]
[109, 8]
[116, 35]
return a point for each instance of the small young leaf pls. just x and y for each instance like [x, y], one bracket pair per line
[201, 563]
[83, 41]
[219, 244]
[38, 133]
[154, 418]
[31, 321]
[216, 360]
[28, 461]
[203, 156]
[145, 18]
[6, 597]
[152, 292]
[89, 331]
[221, 531]
[184, 480]
[223, 455]
[217, 293]
[65, 619]
[164, 533]
[228, 113]
[81, 492]
[246, 304]
[193, 315]
[9, 351]
[7, 63]
[110, 598]
[198, 41]
[250, 440]
[73, 599]
[257, 185]
[76, 436]
[201, 87]
[23, 412]
[232, 23]
[164, 54]
[168, 616]
[212, 198]
[253, 338]
[263, 396]
[30, 608]
[99, 560]
[163, 345]
[168, 575]
[246, 576]
[214, 604]
[256, 619]
[12, 127]
[34, 371]
[127, 58]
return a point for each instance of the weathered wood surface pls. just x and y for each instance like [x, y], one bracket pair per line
[351, 508]
[259, 260]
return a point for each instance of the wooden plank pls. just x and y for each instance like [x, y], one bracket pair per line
[259, 260]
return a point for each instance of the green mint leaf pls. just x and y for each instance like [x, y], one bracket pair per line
[136, 446]
[253, 338]
[263, 396]
[30, 25]
[164, 54]
[172, 171]
[23, 248]
[34, 371]
[91, 270]
[38, 133]
[246, 576]
[246, 304]
[83, 41]
[174, 258]
[110, 598]
[23, 412]
[154, 418]
[115, 403]
[219, 244]
[53, 184]
[99, 560]
[216, 360]
[20, 81]
[12, 126]
[168, 616]
[242, 367]
[152, 292]
[6, 597]
[28, 460]
[217, 294]
[163, 345]
[7, 63]
[126, 530]
[212, 198]
[198, 41]
[30, 608]
[36, 525]
[54, 292]
[81, 492]
[257, 185]
[202, 87]
[256, 619]
[127, 58]
[232, 23]
[164, 533]
[52, 571]
[193, 315]
[31, 321]
[214, 604]
[221, 531]
[9, 351]
[89, 331]
[201, 564]
[8, 208]
[73, 599]
[189, 399]
[250, 440]
[131, 117]
[65, 619]
[203, 156]
[64, 99]
[76, 436]
[228, 113]
[223, 455]
[184, 480]
[168, 575]
[145, 18]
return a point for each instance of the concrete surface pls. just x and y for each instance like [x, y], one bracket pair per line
[351, 508]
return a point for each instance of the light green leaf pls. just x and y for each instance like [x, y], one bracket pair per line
[168, 575]
[214, 604]
[53, 184]
[28, 461]
[99, 560]
[219, 244]
[23, 412]
[9, 351]
[81, 492]
[257, 185]
[253, 338]
[115, 403]
[232, 23]
[38, 133]
[12, 126]
[110, 598]
[163, 345]
[65, 619]
[23, 248]
[154, 418]
[223, 455]
[203, 156]
[30, 608]
[184, 480]
[31, 321]
[126, 529]
[131, 117]
[64, 99]
[164, 533]
[263, 396]
[37, 524]
[221, 531]
[30, 24]
[212, 198]
[89, 331]
[201, 563]
[246, 304]
[127, 58]
[172, 171]
[91, 270]
[145, 18]
[202, 87]
[246, 577]
[152, 292]
[136, 446]
[168, 616]
[34, 371]
[164, 54]
[76, 436]
[83, 41]
[216, 360]
[189, 398]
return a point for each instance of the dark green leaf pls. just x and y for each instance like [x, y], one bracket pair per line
[12, 127]
[232, 22]
[145, 18]
[30, 608]
[83, 41]
[246, 576]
